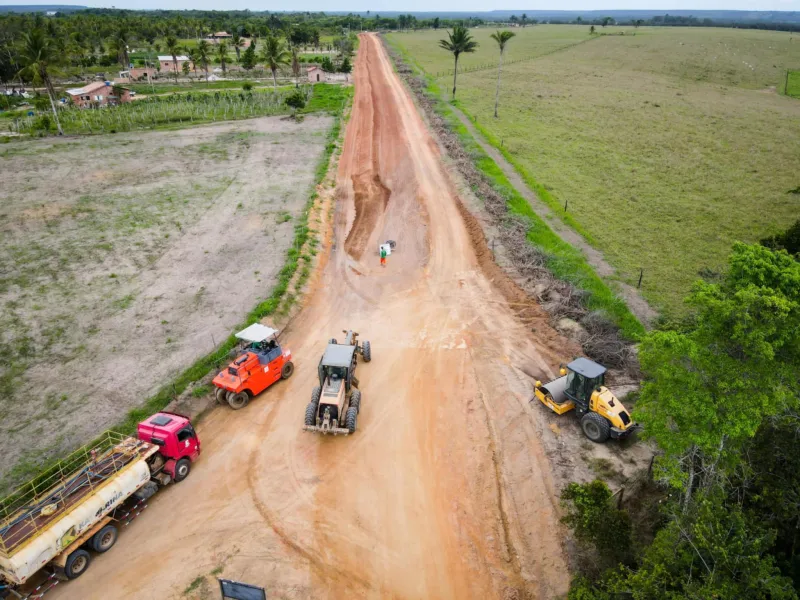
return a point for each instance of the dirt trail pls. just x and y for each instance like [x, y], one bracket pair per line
[444, 491]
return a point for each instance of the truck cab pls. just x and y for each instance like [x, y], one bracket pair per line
[177, 441]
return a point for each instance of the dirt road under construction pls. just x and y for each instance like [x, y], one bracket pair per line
[445, 490]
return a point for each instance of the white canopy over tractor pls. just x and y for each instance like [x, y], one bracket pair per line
[256, 333]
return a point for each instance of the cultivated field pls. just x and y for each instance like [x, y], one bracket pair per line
[667, 145]
[126, 257]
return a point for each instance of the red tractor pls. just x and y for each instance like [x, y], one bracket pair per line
[262, 363]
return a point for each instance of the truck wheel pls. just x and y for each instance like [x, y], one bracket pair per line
[595, 427]
[104, 539]
[77, 563]
[351, 418]
[355, 400]
[315, 394]
[182, 469]
[311, 414]
[366, 351]
[332, 341]
[287, 370]
[220, 395]
[237, 401]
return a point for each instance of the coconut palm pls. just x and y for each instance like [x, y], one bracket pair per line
[174, 49]
[460, 42]
[120, 41]
[501, 37]
[222, 55]
[238, 44]
[203, 54]
[295, 64]
[36, 56]
[275, 55]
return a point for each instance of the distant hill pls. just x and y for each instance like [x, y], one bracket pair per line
[32, 8]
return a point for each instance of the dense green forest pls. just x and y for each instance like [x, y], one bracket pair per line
[720, 517]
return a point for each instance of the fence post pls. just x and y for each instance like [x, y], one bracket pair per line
[641, 274]
[565, 205]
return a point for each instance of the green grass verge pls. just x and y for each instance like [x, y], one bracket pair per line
[793, 84]
[215, 359]
[198, 86]
[564, 260]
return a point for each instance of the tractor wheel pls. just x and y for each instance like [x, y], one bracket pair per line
[332, 341]
[315, 394]
[220, 395]
[287, 370]
[239, 400]
[77, 563]
[355, 400]
[351, 418]
[104, 539]
[182, 469]
[311, 414]
[366, 351]
[595, 427]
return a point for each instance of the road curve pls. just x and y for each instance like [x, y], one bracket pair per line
[444, 491]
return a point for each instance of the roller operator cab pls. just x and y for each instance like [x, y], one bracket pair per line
[261, 363]
[582, 387]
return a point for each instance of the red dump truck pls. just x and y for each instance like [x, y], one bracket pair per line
[55, 521]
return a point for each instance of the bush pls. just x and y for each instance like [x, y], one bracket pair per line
[41, 102]
[247, 86]
[296, 100]
[594, 520]
[789, 240]
[43, 123]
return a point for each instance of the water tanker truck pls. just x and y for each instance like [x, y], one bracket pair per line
[52, 523]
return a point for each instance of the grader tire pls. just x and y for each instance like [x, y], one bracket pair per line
[355, 400]
[351, 419]
[315, 394]
[366, 350]
[311, 414]
[595, 427]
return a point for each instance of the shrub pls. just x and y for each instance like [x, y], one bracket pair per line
[594, 520]
[296, 100]
[247, 86]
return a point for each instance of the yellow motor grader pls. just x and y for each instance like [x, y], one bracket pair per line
[336, 401]
[581, 387]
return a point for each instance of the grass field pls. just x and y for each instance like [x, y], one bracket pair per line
[667, 145]
[793, 84]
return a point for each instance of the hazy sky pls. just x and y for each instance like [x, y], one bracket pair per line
[428, 5]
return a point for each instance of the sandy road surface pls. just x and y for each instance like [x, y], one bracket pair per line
[444, 490]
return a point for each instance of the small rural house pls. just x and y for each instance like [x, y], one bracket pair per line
[99, 93]
[219, 35]
[167, 64]
[315, 74]
[136, 74]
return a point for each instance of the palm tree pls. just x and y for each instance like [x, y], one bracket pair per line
[120, 42]
[275, 55]
[203, 54]
[501, 37]
[238, 44]
[173, 48]
[36, 55]
[295, 65]
[222, 55]
[460, 41]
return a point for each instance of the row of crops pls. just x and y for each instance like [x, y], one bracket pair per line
[160, 111]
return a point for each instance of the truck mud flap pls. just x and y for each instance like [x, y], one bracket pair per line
[326, 430]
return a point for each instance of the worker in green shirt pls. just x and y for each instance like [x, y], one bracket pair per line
[383, 257]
